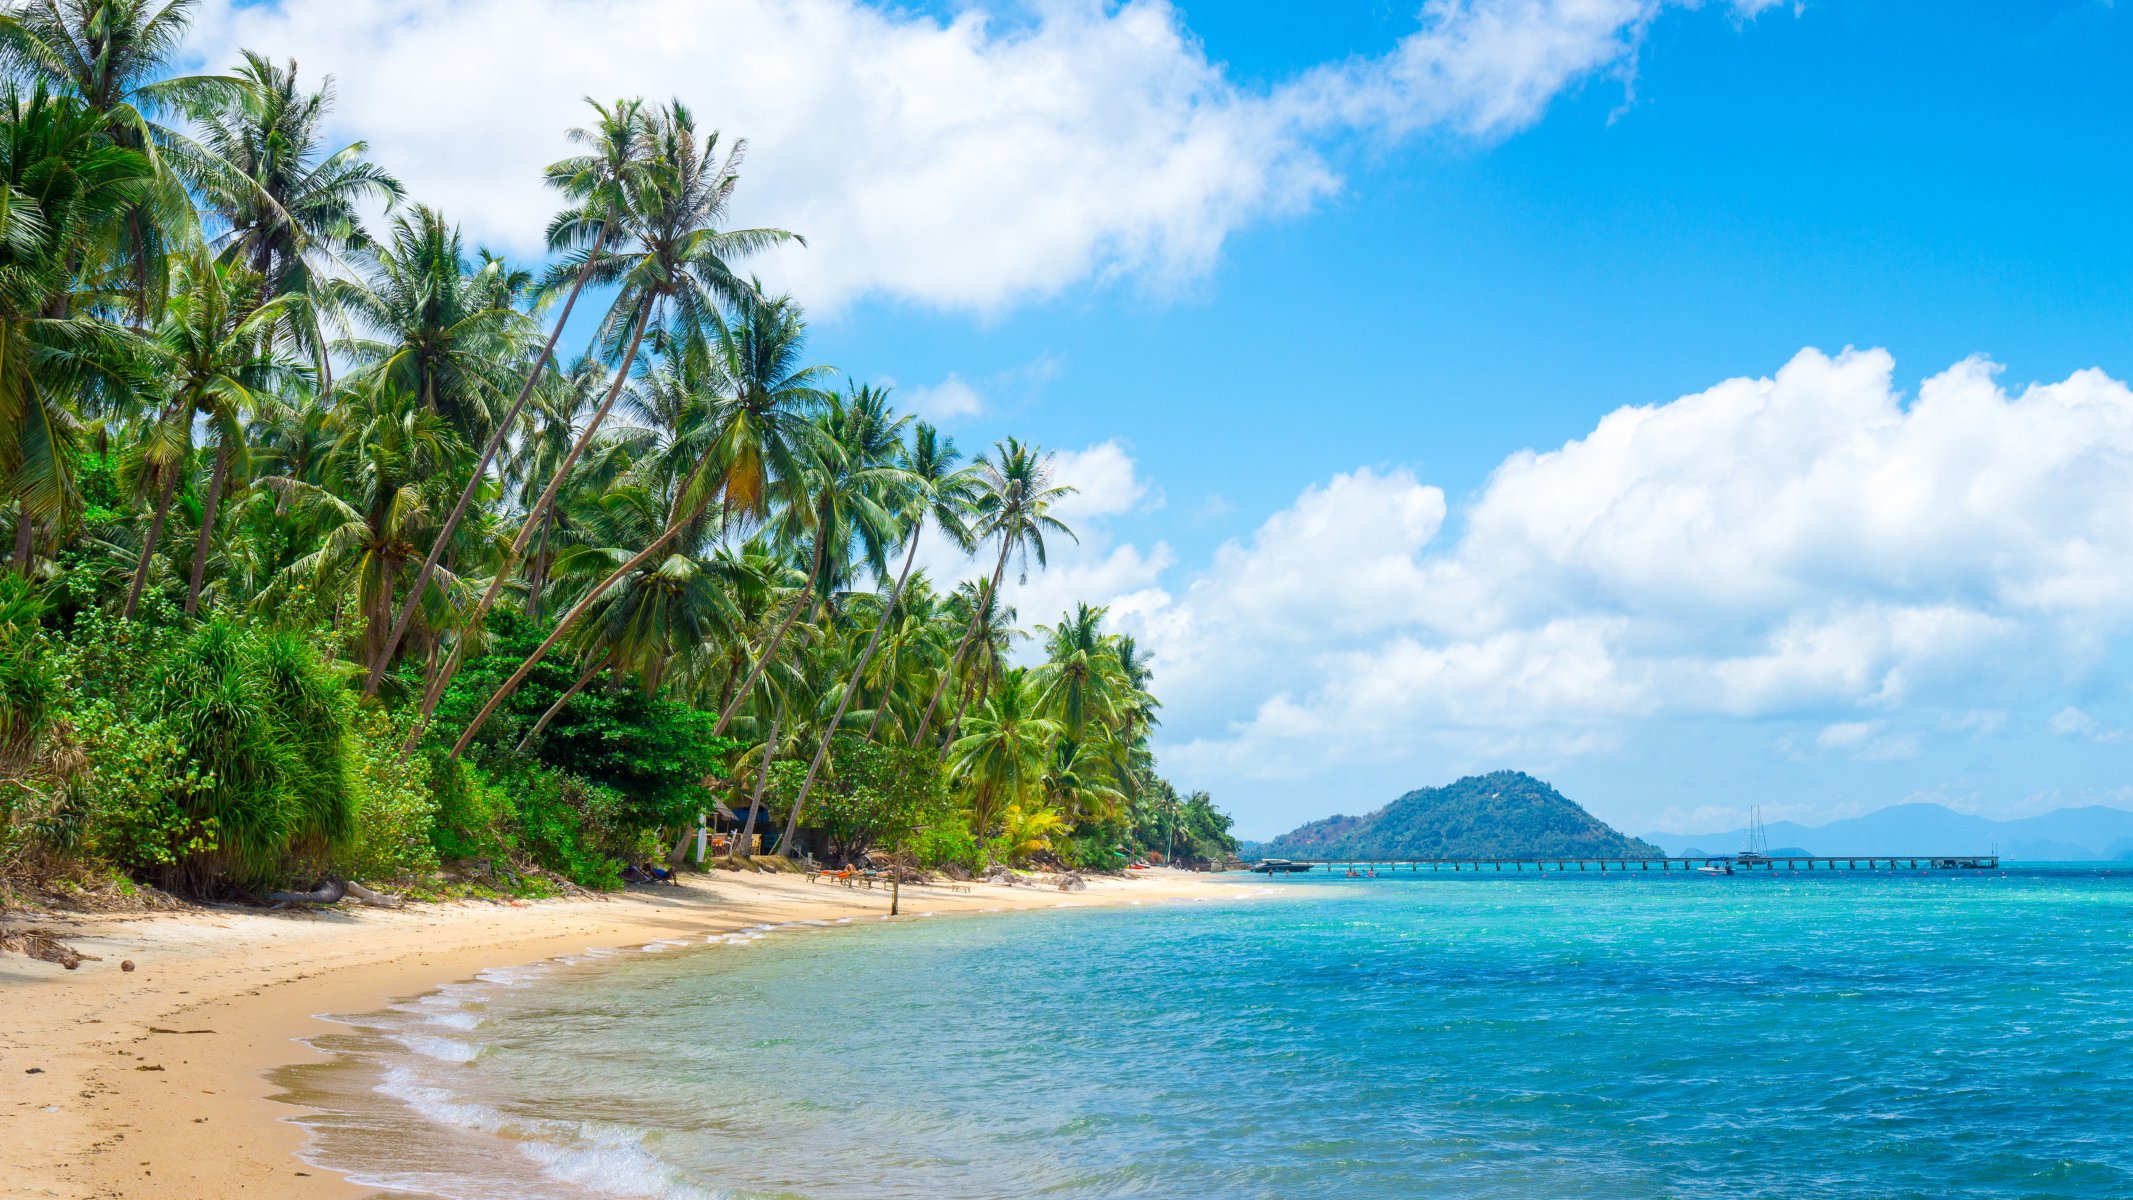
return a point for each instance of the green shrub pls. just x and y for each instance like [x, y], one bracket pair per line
[950, 842]
[396, 806]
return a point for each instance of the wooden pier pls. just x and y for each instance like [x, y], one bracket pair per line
[1717, 863]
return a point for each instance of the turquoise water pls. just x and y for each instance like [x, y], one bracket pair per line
[1831, 1036]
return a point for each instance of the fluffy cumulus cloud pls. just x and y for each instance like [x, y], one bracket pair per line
[966, 163]
[1812, 545]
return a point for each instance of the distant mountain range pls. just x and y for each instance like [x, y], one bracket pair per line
[2091, 834]
[1508, 814]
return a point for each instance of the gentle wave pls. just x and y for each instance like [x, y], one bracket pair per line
[1469, 1040]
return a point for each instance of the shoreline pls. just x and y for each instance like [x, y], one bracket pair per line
[155, 1081]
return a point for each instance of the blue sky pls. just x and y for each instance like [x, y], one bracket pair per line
[1294, 291]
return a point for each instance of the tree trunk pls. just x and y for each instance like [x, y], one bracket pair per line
[755, 669]
[25, 536]
[844, 702]
[557, 707]
[762, 783]
[379, 619]
[518, 544]
[148, 544]
[977, 613]
[481, 469]
[577, 610]
[215, 483]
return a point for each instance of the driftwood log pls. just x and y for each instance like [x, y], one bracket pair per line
[44, 944]
[332, 890]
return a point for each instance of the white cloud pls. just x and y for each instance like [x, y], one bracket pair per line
[961, 163]
[950, 399]
[1807, 546]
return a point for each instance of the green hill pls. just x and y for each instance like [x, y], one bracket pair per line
[1507, 814]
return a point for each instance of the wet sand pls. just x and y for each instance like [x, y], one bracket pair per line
[154, 1082]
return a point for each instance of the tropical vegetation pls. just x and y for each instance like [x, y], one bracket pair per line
[330, 556]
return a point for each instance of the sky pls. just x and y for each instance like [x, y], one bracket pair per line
[1695, 405]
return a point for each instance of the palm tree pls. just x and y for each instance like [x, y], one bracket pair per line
[1002, 754]
[211, 348]
[64, 189]
[1013, 509]
[1081, 680]
[374, 503]
[671, 205]
[760, 435]
[440, 331]
[932, 489]
[594, 182]
[286, 212]
[109, 54]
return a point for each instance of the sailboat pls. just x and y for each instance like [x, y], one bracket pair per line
[1758, 850]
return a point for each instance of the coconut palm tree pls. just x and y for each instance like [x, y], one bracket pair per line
[374, 504]
[1002, 754]
[681, 266]
[931, 489]
[437, 330]
[1017, 492]
[760, 436]
[65, 188]
[594, 182]
[212, 350]
[1081, 682]
[285, 210]
[111, 55]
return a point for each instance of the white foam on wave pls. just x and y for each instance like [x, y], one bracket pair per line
[608, 1159]
[513, 977]
[441, 1049]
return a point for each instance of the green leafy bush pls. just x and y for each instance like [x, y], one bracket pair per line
[396, 806]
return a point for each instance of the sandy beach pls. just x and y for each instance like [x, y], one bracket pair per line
[152, 1082]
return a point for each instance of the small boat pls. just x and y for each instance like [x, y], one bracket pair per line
[1279, 866]
[1717, 869]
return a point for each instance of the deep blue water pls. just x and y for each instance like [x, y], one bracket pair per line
[1765, 1036]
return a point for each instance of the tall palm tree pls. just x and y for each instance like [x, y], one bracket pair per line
[375, 502]
[1003, 753]
[760, 436]
[285, 210]
[437, 330]
[211, 349]
[111, 55]
[1014, 510]
[594, 183]
[681, 266]
[1081, 681]
[213, 293]
[64, 190]
[932, 488]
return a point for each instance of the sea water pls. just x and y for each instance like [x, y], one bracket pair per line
[1840, 1035]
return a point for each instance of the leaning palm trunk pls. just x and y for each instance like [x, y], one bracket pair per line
[216, 481]
[148, 544]
[570, 618]
[560, 702]
[977, 613]
[859, 671]
[518, 547]
[770, 650]
[481, 472]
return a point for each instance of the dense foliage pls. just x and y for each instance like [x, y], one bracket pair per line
[1506, 814]
[324, 562]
